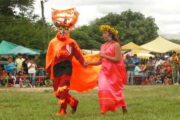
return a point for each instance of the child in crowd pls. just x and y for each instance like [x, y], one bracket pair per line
[158, 79]
[162, 72]
[166, 80]
[11, 80]
[19, 82]
[151, 79]
[158, 70]
[3, 78]
[26, 82]
[39, 79]
[49, 83]
[40, 72]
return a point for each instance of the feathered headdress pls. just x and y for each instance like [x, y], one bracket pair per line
[65, 18]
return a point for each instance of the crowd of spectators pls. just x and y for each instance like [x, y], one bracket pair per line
[155, 70]
[24, 72]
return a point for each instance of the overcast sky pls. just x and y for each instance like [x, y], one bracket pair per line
[165, 12]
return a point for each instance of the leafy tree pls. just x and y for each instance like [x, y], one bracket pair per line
[132, 27]
[7, 7]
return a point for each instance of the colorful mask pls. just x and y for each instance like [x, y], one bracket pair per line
[64, 20]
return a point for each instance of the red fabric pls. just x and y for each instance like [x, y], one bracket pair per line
[64, 95]
[82, 79]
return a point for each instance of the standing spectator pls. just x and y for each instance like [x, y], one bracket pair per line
[179, 63]
[24, 66]
[162, 72]
[37, 61]
[150, 67]
[135, 59]
[130, 70]
[32, 71]
[10, 67]
[166, 62]
[158, 62]
[19, 62]
[175, 71]
[26, 56]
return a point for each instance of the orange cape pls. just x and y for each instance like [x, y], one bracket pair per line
[82, 79]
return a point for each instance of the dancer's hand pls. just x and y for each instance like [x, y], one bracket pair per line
[85, 64]
[101, 54]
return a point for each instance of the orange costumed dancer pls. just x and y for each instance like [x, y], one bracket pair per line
[64, 62]
[112, 76]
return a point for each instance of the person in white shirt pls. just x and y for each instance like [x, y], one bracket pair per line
[158, 62]
[31, 71]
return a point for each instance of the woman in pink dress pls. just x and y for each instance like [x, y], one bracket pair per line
[112, 76]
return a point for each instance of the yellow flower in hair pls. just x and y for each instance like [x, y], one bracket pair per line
[108, 28]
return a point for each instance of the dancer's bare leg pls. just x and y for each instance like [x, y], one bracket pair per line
[125, 110]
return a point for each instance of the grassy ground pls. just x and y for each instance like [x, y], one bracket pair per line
[144, 103]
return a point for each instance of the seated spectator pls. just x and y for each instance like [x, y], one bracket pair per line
[49, 83]
[26, 82]
[139, 77]
[151, 79]
[158, 79]
[19, 81]
[3, 78]
[42, 73]
[166, 80]
[137, 70]
[39, 79]
[11, 80]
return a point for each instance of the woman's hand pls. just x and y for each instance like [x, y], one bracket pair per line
[101, 54]
[85, 64]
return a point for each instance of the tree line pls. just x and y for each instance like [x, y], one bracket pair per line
[26, 28]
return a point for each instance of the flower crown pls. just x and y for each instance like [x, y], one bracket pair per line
[108, 28]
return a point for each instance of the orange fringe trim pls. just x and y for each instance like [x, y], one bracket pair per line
[61, 102]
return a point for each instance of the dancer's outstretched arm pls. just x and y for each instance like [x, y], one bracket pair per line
[97, 62]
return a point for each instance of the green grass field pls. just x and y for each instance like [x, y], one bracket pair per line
[144, 103]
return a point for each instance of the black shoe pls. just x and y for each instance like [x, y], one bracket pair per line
[74, 108]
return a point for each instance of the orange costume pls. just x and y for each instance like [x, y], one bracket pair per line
[64, 62]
